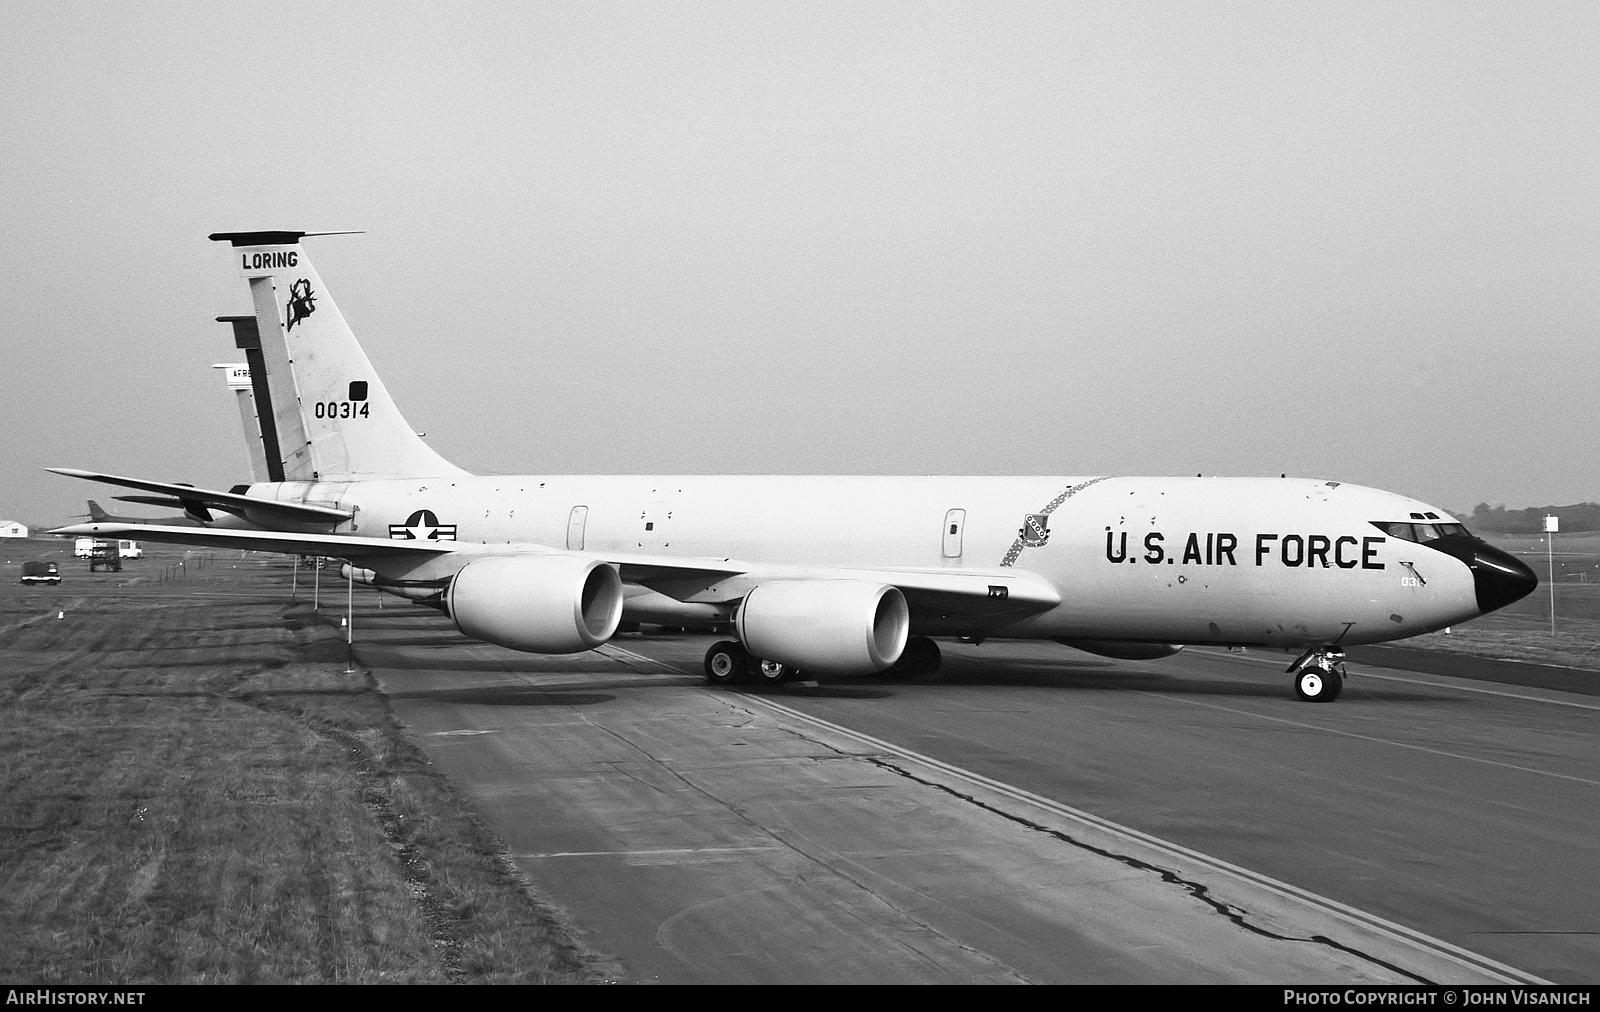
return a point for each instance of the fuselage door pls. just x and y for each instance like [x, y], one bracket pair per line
[575, 524]
[954, 522]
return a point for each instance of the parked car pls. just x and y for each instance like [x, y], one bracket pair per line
[40, 572]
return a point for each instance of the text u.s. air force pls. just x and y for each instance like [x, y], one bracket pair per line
[1222, 548]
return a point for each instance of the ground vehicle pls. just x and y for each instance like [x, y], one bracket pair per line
[104, 556]
[83, 548]
[129, 550]
[39, 572]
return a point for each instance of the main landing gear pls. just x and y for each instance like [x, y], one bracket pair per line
[1319, 674]
[728, 662]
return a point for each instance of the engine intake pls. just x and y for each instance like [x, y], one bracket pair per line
[846, 627]
[544, 604]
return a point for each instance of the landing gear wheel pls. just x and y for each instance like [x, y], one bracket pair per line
[772, 672]
[1318, 685]
[726, 663]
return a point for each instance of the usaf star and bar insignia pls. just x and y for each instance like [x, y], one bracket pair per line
[422, 525]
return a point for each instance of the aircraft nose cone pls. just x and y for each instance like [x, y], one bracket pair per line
[1499, 577]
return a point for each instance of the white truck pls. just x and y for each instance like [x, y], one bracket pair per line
[129, 550]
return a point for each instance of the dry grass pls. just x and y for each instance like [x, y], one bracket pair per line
[196, 792]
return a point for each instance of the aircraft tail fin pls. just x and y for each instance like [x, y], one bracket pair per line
[97, 514]
[241, 385]
[332, 415]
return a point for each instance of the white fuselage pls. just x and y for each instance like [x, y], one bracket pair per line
[1268, 561]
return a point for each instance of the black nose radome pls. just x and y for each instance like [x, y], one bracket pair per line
[1499, 577]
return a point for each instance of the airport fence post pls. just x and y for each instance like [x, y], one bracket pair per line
[1551, 525]
[316, 584]
[350, 620]
[294, 586]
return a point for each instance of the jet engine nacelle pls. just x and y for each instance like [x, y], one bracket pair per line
[544, 604]
[1125, 651]
[845, 627]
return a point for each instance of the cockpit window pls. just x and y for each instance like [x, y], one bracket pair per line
[1419, 533]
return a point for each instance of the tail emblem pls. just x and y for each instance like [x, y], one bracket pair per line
[302, 302]
[422, 526]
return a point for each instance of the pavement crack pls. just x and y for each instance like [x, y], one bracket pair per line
[1199, 890]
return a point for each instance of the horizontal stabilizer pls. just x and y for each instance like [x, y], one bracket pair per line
[263, 512]
[271, 238]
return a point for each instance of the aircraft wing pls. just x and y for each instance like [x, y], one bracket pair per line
[959, 596]
[285, 543]
[963, 597]
[197, 501]
[976, 596]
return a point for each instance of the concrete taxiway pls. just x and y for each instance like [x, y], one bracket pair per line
[1030, 814]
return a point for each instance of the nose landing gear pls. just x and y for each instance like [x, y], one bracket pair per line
[1319, 674]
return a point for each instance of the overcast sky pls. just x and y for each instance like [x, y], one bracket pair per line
[1359, 242]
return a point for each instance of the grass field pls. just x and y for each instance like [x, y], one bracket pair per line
[196, 791]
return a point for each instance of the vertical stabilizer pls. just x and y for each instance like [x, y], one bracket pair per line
[237, 376]
[333, 416]
[247, 338]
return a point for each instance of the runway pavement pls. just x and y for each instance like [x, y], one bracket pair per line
[1029, 814]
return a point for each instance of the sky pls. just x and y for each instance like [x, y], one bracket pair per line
[1349, 241]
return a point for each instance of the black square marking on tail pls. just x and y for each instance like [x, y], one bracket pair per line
[358, 390]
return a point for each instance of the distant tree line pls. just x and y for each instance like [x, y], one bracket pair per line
[1584, 516]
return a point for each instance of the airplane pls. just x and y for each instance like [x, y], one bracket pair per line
[817, 574]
